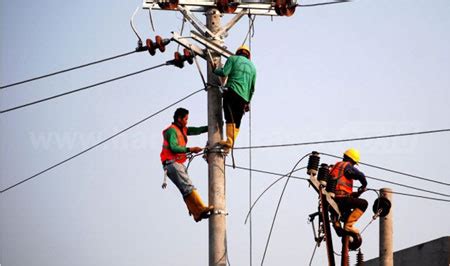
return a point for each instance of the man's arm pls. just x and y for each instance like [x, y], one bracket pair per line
[196, 130]
[354, 173]
[252, 86]
[226, 69]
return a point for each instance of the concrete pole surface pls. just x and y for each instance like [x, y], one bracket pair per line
[216, 172]
[386, 232]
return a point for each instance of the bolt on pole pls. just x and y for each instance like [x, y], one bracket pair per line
[216, 172]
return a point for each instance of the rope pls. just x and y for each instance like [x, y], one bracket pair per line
[251, 29]
[67, 70]
[278, 207]
[83, 88]
[102, 142]
[346, 140]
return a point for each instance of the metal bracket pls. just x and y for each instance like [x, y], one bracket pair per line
[231, 23]
[220, 212]
[316, 185]
[265, 8]
[195, 21]
[183, 42]
[211, 45]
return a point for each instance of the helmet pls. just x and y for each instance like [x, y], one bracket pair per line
[352, 154]
[243, 48]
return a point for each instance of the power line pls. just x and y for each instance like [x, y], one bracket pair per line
[83, 88]
[67, 70]
[102, 142]
[324, 3]
[416, 196]
[394, 171]
[278, 207]
[407, 186]
[345, 140]
[306, 179]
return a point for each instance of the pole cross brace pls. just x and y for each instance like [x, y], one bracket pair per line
[191, 18]
[183, 42]
[316, 185]
[231, 23]
[211, 45]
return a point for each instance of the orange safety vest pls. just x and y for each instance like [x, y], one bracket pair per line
[344, 185]
[166, 153]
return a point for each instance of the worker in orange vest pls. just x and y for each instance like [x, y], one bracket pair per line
[344, 173]
[173, 156]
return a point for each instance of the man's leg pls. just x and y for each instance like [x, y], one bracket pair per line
[179, 176]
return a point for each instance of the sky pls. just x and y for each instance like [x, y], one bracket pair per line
[357, 69]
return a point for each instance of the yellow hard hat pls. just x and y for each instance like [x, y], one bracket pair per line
[244, 48]
[352, 154]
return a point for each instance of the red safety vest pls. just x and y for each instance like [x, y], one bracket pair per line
[344, 185]
[166, 153]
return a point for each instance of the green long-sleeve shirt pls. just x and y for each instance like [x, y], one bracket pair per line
[241, 73]
[171, 137]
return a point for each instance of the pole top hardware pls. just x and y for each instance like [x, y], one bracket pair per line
[252, 7]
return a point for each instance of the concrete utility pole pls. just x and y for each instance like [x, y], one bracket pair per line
[217, 197]
[386, 233]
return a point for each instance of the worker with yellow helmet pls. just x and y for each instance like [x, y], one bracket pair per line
[344, 173]
[240, 86]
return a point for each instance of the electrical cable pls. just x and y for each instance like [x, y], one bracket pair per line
[83, 88]
[346, 140]
[250, 185]
[416, 196]
[407, 186]
[250, 26]
[101, 142]
[306, 179]
[67, 70]
[265, 190]
[278, 207]
[393, 171]
[314, 253]
[324, 3]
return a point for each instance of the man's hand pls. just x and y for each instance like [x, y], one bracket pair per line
[362, 190]
[246, 107]
[195, 149]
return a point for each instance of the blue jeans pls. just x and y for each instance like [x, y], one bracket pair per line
[177, 172]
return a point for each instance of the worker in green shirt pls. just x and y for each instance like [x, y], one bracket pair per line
[173, 156]
[240, 73]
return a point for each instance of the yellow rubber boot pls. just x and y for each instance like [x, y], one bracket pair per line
[354, 216]
[196, 206]
[232, 133]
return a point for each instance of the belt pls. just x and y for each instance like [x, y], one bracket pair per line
[167, 162]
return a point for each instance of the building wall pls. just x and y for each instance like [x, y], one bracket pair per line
[433, 253]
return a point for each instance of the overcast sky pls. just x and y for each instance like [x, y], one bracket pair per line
[357, 69]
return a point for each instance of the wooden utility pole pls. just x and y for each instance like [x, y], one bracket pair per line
[386, 233]
[217, 197]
